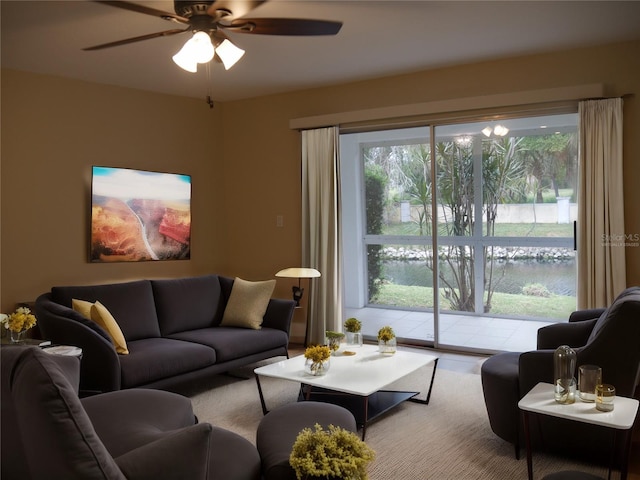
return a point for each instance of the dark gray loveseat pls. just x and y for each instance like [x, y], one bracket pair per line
[172, 329]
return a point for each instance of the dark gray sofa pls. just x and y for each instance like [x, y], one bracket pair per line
[172, 329]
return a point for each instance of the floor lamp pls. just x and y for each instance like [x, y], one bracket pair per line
[299, 273]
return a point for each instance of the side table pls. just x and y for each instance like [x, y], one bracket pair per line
[540, 401]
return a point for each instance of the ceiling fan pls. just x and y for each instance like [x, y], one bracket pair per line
[209, 20]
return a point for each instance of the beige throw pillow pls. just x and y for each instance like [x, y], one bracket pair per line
[99, 314]
[247, 303]
[82, 307]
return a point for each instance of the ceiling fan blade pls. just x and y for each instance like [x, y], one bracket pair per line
[134, 7]
[238, 8]
[136, 39]
[285, 26]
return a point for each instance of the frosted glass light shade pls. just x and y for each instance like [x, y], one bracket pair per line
[229, 53]
[198, 49]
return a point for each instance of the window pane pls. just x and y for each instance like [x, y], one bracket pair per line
[397, 188]
[405, 276]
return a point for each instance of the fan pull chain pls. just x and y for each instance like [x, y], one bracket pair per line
[208, 72]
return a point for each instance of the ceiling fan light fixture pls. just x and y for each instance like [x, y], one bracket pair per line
[185, 61]
[229, 53]
[198, 49]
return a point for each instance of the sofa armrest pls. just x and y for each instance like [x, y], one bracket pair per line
[586, 314]
[279, 314]
[176, 456]
[573, 334]
[535, 367]
[100, 365]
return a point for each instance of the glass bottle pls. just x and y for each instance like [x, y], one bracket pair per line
[564, 367]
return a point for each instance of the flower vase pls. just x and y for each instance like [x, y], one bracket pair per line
[354, 339]
[17, 337]
[334, 345]
[316, 368]
[388, 347]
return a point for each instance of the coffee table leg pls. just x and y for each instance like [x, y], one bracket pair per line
[264, 406]
[433, 376]
[366, 417]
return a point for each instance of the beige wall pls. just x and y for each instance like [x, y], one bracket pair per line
[243, 157]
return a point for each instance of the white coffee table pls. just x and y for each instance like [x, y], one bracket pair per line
[356, 382]
[540, 401]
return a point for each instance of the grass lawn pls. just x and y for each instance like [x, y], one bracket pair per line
[555, 307]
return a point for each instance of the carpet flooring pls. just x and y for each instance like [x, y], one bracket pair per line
[449, 438]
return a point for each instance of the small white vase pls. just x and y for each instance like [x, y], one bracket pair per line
[388, 347]
[354, 339]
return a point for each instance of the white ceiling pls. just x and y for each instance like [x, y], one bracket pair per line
[378, 38]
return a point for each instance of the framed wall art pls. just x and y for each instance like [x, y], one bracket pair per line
[139, 215]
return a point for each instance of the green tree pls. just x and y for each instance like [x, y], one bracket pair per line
[550, 160]
[375, 187]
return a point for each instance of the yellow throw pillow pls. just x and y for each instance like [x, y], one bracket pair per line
[247, 303]
[82, 307]
[102, 317]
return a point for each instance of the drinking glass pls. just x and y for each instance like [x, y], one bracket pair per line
[588, 377]
[605, 394]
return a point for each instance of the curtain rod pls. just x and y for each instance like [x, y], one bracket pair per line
[572, 93]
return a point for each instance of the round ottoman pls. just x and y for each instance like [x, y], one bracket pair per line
[279, 428]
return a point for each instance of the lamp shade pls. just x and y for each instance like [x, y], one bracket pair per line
[198, 49]
[229, 53]
[298, 272]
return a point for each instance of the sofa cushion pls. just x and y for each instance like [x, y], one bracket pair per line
[130, 302]
[187, 303]
[231, 343]
[247, 303]
[131, 408]
[153, 359]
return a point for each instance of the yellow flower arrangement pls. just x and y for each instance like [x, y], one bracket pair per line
[334, 453]
[317, 355]
[352, 325]
[334, 339]
[20, 320]
[386, 333]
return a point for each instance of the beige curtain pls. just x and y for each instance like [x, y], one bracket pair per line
[601, 236]
[321, 229]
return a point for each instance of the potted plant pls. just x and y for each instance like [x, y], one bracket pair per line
[353, 326]
[335, 453]
[387, 340]
[18, 323]
[317, 359]
[333, 340]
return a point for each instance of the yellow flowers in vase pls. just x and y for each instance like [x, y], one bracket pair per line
[317, 359]
[18, 323]
[354, 335]
[335, 453]
[333, 340]
[386, 340]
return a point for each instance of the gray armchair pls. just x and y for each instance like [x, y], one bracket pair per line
[48, 432]
[609, 338]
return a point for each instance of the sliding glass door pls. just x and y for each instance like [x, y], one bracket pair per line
[495, 201]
